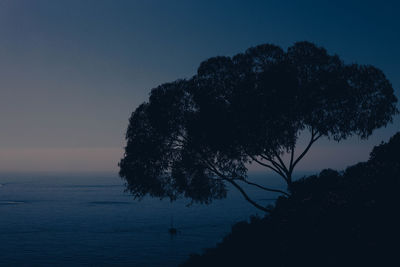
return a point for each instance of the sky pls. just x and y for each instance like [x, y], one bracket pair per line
[71, 72]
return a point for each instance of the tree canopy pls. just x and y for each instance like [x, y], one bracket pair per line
[193, 136]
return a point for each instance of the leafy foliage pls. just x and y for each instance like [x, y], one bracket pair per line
[195, 135]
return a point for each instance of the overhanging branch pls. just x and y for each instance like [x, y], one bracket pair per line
[223, 177]
[265, 188]
[247, 197]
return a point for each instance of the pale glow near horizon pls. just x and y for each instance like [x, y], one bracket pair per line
[60, 159]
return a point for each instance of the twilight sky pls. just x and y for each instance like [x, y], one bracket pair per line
[71, 72]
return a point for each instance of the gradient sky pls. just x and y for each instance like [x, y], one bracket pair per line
[71, 72]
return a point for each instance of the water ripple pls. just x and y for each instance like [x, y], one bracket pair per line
[8, 202]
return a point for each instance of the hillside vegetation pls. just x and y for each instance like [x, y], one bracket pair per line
[348, 218]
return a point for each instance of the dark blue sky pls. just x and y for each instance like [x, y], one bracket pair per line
[71, 72]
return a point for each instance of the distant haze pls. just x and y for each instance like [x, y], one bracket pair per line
[71, 72]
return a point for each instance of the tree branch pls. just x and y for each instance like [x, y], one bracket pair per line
[314, 137]
[266, 188]
[278, 171]
[276, 164]
[213, 169]
[291, 158]
[283, 172]
[282, 163]
[247, 197]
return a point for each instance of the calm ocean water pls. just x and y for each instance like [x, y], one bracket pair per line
[88, 220]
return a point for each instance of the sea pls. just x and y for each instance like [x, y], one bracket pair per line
[89, 220]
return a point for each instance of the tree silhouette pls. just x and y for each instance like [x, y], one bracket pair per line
[195, 135]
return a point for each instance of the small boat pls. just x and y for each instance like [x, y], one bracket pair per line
[172, 230]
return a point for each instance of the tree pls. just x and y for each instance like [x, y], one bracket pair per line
[194, 136]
